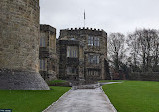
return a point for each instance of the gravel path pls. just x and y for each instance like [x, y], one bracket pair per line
[83, 100]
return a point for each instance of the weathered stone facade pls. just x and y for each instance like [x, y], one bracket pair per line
[19, 45]
[91, 54]
[47, 53]
[66, 61]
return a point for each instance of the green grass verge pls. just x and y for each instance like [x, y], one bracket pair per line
[57, 81]
[134, 96]
[30, 101]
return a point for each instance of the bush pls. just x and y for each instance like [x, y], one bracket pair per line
[58, 83]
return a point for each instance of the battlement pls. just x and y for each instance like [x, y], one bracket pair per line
[84, 28]
[83, 31]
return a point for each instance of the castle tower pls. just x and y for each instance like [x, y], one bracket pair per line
[91, 47]
[19, 45]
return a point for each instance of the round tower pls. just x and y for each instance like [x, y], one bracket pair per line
[19, 45]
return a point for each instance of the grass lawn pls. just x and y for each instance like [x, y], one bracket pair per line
[134, 96]
[30, 101]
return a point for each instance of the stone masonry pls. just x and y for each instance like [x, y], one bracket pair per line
[19, 45]
[47, 53]
[82, 54]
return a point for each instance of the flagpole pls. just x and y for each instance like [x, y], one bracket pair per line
[84, 18]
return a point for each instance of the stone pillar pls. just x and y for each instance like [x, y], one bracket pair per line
[19, 45]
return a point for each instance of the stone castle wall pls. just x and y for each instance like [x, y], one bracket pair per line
[19, 34]
[19, 45]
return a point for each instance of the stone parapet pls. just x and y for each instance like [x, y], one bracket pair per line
[83, 31]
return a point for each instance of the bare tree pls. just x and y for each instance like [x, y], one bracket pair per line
[116, 49]
[144, 46]
[155, 50]
[133, 47]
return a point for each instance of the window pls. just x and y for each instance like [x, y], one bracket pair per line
[71, 70]
[93, 59]
[42, 42]
[90, 41]
[96, 41]
[42, 65]
[72, 51]
[93, 41]
[92, 72]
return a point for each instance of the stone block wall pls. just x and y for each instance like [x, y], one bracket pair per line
[19, 34]
[65, 62]
[19, 45]
[48, 52]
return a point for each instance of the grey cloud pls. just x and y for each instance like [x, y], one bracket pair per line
[110, 15]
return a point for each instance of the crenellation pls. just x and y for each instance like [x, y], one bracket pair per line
[83, 30]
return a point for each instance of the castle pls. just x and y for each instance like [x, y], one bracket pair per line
[29, 50]
[81, 53]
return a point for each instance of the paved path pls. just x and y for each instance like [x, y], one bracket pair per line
[83, 100]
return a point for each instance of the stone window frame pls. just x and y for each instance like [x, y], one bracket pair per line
[93, 58]
[93, 41]
[43, 64]
[52, 42]
[96, 41]
[72, 51]
[42, 42]
[93, 72]
[90, 41]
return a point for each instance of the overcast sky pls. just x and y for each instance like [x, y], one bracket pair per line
[110, 15]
